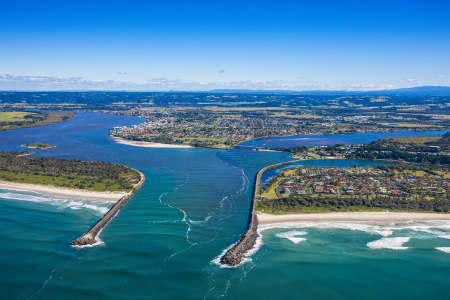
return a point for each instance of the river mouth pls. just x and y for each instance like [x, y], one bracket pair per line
[193, 205]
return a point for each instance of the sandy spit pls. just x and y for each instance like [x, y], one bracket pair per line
[147, 144]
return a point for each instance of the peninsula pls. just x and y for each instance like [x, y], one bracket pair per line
[397, 191]
[98, 181]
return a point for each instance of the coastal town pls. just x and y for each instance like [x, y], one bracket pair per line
[224, 120]
[370, 181]
[398, 187]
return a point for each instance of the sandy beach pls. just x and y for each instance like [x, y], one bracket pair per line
[351, 216]
[62, 192]
[147, 144]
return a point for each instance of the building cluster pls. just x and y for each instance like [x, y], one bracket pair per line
[367, 181]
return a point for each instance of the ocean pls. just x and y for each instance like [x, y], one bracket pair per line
[165, 242]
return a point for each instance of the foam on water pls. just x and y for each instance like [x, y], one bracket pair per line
[443, 249]
[357, 226]
[293, 236]
[247, 257]
[438, 229]
[100, 207]
[97, 239]
[385, 229]
[394, 243]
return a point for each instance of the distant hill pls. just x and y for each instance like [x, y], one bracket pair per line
[414, 91]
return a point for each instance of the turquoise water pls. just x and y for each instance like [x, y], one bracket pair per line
[163, 243]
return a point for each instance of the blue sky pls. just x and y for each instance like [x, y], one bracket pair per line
[200, 45]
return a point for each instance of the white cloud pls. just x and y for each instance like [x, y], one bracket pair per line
[51, 83]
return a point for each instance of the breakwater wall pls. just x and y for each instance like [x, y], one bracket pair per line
[247, 241]
[90, 237]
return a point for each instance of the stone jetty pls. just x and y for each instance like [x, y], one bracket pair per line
[90, 237]
[247, 241]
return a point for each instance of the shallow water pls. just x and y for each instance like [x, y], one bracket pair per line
[194, 205]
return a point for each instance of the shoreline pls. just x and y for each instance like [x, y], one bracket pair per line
[55, 191]
[146, 144]
[382, 216]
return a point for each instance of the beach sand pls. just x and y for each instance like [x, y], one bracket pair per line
[63, 192]
[147, 144]
[351, 216]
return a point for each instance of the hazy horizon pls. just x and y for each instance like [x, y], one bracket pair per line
[205, 45]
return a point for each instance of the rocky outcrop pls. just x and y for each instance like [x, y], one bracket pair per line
[90, 237]
[235, 254]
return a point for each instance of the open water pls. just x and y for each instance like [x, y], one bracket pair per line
[164, 243]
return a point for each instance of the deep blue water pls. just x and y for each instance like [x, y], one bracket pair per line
[193, 205]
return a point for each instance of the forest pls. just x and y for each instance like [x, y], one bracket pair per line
[89, 175]
[357, 203]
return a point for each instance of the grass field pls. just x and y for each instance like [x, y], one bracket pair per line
[19, 119]
[15, 116]
[419, 140]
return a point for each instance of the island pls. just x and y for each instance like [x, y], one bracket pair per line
[100, 181]
[38, 146]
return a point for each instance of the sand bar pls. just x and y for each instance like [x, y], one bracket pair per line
[60, 192]
[147, 144]
[351, 216]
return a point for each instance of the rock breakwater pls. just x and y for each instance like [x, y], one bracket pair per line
[90, 237]
[247, 241]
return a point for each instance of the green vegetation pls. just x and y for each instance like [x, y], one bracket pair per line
[419, 140]
[401, 187]
[95, 176]
[15, 116]
[39, 146]
[19, 119]
[433, 151]
[225, 119]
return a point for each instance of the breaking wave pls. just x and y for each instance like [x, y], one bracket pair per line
[293, 236]
[443, 249]
[365, 227]
[394, 243]
[98, 207]
[437, 228]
